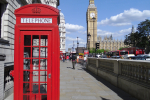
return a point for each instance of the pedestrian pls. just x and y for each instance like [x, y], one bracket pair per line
[85, 58]
[63, 58]
[67, 58]
[73, 61]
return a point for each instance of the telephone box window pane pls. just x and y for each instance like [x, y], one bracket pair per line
[35, 63]
[26, 88]
[26, 97]
[43, 76]
[35, 88]
[43, 40]
[35, 78]
[43, 53]
[43, 64]
[44, 97]
[35, 52]
[27, 52]
[26, 76]
[26, 65]
[27, 40]
[43, 88]
[35, 40]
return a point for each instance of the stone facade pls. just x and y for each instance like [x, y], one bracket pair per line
[91, 24]
[62, 33]
[7, 23]
[110, 43]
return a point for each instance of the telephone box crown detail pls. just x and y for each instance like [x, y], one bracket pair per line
[36, 10]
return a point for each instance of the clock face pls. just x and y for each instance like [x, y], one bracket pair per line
[92, 15]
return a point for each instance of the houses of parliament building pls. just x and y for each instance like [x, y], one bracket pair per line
[109, 43]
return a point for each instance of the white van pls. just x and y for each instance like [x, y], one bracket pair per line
[128, 55]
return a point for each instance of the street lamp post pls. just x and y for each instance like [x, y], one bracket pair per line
[77, 44]
[148, 39]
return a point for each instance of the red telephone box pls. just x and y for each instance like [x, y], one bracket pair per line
[36, 65]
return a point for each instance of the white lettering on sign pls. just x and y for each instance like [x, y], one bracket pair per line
[36, 20]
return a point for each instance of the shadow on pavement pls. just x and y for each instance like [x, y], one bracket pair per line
[118, 91]
[104, 98]
[70, 67]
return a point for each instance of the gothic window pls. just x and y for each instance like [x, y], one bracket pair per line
[47, 1]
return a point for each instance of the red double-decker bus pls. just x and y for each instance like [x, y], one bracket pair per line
[119, 52]
[135, 50]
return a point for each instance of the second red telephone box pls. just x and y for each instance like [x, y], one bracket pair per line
[36, 66]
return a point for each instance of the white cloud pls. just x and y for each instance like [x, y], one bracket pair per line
[83, 43]
[126, 17]
[73, 28]
[103, 33]
[68, 32]
[73, 39]
[114, 34]
[127, 31]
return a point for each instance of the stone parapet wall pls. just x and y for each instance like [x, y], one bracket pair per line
[130, 75]
[1, 80]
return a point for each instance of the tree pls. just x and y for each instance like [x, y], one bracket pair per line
[92, 50]
[122, 48]
[140, 37]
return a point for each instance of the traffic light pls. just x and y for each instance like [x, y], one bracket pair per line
[97, 46]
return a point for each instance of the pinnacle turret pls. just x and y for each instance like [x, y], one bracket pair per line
[132, 31]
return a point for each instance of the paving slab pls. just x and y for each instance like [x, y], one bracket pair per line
[80, 84]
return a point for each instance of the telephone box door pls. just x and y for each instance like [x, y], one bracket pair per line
[35, 65]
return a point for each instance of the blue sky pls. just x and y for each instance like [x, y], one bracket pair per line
[115, 17]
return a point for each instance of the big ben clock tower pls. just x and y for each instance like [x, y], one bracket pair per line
[91, 17]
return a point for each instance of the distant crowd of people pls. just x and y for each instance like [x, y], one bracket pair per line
[74, 58]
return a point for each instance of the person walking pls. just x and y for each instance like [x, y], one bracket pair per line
[63, 58]
[73, 61]
[67, 58]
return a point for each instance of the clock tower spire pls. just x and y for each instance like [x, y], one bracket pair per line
[91, 17]
[91, 1]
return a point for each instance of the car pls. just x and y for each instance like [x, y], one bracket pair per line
[98, 56]
[127, 56]
[103, 56]
[115, 57]
[137, 58]
[142, 55]
[147, 57]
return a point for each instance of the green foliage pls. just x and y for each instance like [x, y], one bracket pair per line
[92, 50]
[107, 50]
[140, 37]
[122, 48]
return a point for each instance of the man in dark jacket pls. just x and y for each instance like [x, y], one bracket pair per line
[73, 61]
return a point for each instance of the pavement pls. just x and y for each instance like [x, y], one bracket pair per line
[80, 84]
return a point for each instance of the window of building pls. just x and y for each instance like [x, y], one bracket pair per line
[0, 18]
[3, 7]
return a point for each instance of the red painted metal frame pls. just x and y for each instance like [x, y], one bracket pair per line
[53, 50]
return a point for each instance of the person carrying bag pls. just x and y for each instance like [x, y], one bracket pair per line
[74, 61]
